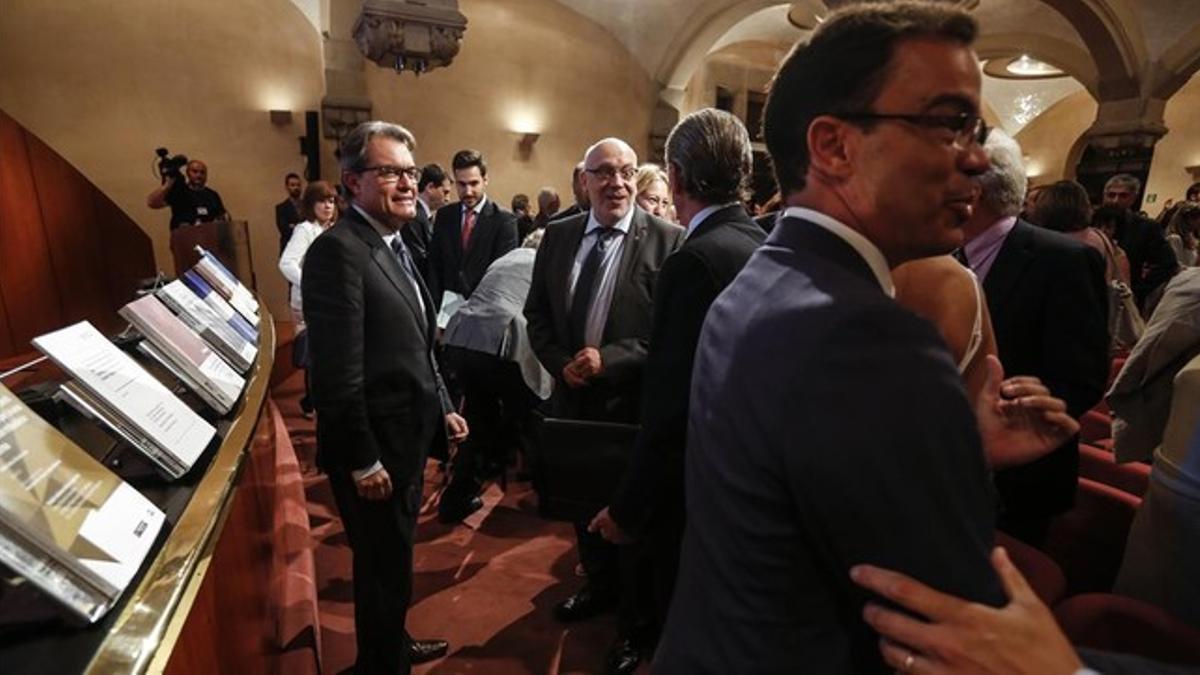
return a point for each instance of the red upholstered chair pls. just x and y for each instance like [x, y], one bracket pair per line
[1043, 574]
[1094, 426]
[1101, 466]
[1120, 624]
[1088, 541]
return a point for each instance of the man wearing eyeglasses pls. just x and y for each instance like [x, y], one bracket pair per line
[468, 234]
[828, 426]
[381, 404]
[589, 308]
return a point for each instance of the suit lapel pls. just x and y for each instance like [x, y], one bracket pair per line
[561, 272]
[385, 259]
[629, 250]
[1012, 259]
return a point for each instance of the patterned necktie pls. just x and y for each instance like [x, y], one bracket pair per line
[585, 286]
[467, 228]
[406, 264]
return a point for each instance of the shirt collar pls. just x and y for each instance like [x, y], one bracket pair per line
[703, 214]
[622, 224]
[478, 206]
[384, 231]
[870, 252]
[988, 238]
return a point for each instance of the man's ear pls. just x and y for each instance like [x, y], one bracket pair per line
[351, 181]
[831, 146]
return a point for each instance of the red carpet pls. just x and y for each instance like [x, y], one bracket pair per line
[488, 589]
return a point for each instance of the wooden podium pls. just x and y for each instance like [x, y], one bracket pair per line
[229, 240]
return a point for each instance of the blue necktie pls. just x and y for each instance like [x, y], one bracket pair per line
[585, 286]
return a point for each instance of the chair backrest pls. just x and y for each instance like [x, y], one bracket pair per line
[1088, 541]
[1120, 624]
[1042, 573]
[1100, 465]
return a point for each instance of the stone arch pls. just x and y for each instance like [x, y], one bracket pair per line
[1177, 65]
[1110, 30]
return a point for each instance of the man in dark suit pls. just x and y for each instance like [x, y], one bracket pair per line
[287, 212]
[590, 309]
[581, 204]
[468, 234]
[433, 191]
[1049, 306]
[1151, 260]
[709, 161]
[828, 426]
[381, 404]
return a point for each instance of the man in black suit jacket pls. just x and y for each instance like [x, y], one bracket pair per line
[709, 161]
[581, 204]
[828, 425]
[287, 212]
[458, 258]
[590, 308]
[1151, 260]
[1048, 301]
[381, 404]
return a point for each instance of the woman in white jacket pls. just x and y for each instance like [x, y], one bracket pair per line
[318, 207]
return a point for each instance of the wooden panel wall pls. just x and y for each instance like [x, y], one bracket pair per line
[67, 253]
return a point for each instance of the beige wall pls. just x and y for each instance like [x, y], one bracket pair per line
[105, 83]
[739, 68]
[1179, 149]
[523, 63]
[1048, 139]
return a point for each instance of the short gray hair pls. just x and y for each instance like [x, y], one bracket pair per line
[545, 197]
[353, 153]
[711, 150]
[1128, 180]
[1003, 184]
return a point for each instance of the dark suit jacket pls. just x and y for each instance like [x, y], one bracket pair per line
[828, 426]
[285, 217]
[1049, 307]
[570, 212]
[417, 236]
[689, 281]
[495, 234]
[613, 396]
[1151, 260]
[375, 383]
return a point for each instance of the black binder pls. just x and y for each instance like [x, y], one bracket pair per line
[580, 464]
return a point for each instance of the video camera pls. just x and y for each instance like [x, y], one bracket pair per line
[168, 166]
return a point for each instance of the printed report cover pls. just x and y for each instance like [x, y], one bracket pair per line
[220, 305]
[206, 373]
[237, 350]
[67, 524]
[124, 389]
[223, 281]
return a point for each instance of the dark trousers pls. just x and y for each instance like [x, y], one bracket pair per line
[497, 406]
[381, 541]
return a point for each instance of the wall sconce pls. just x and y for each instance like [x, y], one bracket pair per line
[281, 118]
[1195, 171]
[525, 143]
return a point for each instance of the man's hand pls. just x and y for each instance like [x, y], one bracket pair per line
[1019, 420]
[456, 428]
[572, 377]
[608, 528]
[587, 363]
[375, 487]
[966, 637]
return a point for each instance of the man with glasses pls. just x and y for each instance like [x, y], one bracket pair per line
[1151, 260]
[381, 404]
[589, 309]
[828, 425]
[468, 234]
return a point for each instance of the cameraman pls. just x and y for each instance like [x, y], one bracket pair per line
[190, 201]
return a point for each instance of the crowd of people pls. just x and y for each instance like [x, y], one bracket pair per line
[826, 438]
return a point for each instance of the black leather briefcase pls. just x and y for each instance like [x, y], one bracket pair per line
[579, 465]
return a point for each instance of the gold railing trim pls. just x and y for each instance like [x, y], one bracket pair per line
[147, 628]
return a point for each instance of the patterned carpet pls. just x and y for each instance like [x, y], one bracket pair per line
[487, 586]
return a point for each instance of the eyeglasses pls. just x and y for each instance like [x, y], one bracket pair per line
[391, 173]
[964, 129]
[609, 172]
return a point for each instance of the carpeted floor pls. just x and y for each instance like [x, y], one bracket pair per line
[487, 586]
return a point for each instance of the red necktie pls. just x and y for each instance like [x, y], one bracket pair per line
[468, 226]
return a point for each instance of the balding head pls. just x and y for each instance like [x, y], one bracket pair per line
[197, 174]
[610, 167]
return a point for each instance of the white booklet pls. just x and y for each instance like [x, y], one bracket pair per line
[205, 372]
[67, 524]
[127, 392]
[237, 350]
